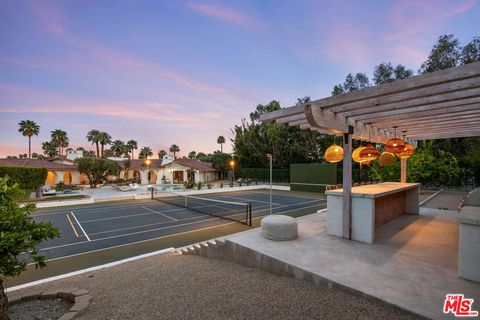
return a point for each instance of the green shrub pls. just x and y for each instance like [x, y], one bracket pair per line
[26, 177]
[199, 185]
[221, 184]
[59, 186]
[209, 186]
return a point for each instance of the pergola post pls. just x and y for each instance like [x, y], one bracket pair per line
[403, 170]
[347, 184]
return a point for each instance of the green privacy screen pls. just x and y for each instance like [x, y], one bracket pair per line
[312, 177]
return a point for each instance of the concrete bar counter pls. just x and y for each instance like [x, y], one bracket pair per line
[372, 206]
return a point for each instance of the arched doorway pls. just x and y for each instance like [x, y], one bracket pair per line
[67, 178]
[136, 176]
[50, 181]
[152, 177]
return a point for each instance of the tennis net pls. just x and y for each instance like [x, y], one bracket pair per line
[235, 211]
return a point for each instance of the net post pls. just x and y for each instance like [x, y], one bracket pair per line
[152, 193]
[249, 214]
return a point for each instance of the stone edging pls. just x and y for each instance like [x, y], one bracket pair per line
[79, 297]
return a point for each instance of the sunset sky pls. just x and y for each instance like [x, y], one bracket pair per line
[185, 72]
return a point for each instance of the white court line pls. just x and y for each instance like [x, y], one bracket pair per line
[161, 228]
[86, 235]
[164, 215]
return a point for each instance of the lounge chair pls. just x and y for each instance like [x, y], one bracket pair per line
[67, 188]
[47, 191]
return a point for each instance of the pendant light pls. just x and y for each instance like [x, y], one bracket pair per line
[395, 145]
[369, 153]
[407, 151]
[386, 159]
[334, 153]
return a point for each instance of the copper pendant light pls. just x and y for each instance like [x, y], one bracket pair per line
[369, 153]
[386, 159]
[407, 151]
[356, 154]
[395, 145]
[334, 153]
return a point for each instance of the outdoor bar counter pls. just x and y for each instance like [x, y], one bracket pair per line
[372, 206]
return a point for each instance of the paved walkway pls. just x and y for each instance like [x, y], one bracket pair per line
[413, 263]
[191, 287]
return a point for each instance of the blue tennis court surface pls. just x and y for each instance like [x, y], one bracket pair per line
[100, 226]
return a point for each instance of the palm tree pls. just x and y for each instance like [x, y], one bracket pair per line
[105, 139]
[118, 148]
[221, 141]
[94, 136]
[162, 154]
[49, 149]
[59, 139]
[192, 155]
[174, 148]
[131, 145]
[34, 155]
[145, 152]
[28, 128]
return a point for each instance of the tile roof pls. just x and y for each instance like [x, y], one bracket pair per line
[138, 164]
[193, 163]
[37, 164]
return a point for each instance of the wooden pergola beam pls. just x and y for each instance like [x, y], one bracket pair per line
[427, 118]
[446, 135]
[435, 124]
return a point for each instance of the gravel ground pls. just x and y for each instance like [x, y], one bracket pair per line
[192, 287]
[49, 309]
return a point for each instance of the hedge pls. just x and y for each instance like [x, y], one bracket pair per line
[263, 174]
[26, 177]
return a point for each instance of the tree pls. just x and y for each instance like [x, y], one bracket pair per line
[35, 155]
[201, 156]
[162, 154]
[105, 139]
[49, 149]
[59, 140]
[97, 169]
[385, 73]
[132, 145]
[260, 109]
[337, 89]
[174, 148]
[445, 54]
[352, 83]
[145, 152]
[192, 155]
[29, 128]
[23, 156]
[94, 137]
[89, 153]
[20, 236]
[471, 52]
[221, 141]
[118, 148]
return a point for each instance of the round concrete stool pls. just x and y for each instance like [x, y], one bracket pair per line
[279, 227]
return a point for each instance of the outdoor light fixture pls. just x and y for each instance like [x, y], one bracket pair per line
[334, 153]
[147, 162]
[407, 151]
[395, 145]
[369, 153]
[356, 155]
[386, 159]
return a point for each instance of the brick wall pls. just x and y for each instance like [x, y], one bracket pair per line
[389, 207]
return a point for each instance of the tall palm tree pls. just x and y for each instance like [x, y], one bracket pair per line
[221, 141]
[59, 139]
[49, 149]
[192, 154]
[145, 152]
[162, 154]
[174, 148]
[28, 128]
[105, 139]
[94, 136]
[132, 145]
[118, 148]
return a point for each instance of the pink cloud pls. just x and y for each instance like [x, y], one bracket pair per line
[51, 17]
[228, 15]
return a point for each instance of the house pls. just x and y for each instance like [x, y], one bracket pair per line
[144, 171]
[181, 170]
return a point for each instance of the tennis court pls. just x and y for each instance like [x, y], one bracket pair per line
[96, 227]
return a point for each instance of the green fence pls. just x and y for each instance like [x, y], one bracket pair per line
[312, 177]
[263, 174]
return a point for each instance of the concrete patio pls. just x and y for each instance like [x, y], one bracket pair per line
[412, 264]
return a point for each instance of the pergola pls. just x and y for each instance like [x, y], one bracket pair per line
[438, 105]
